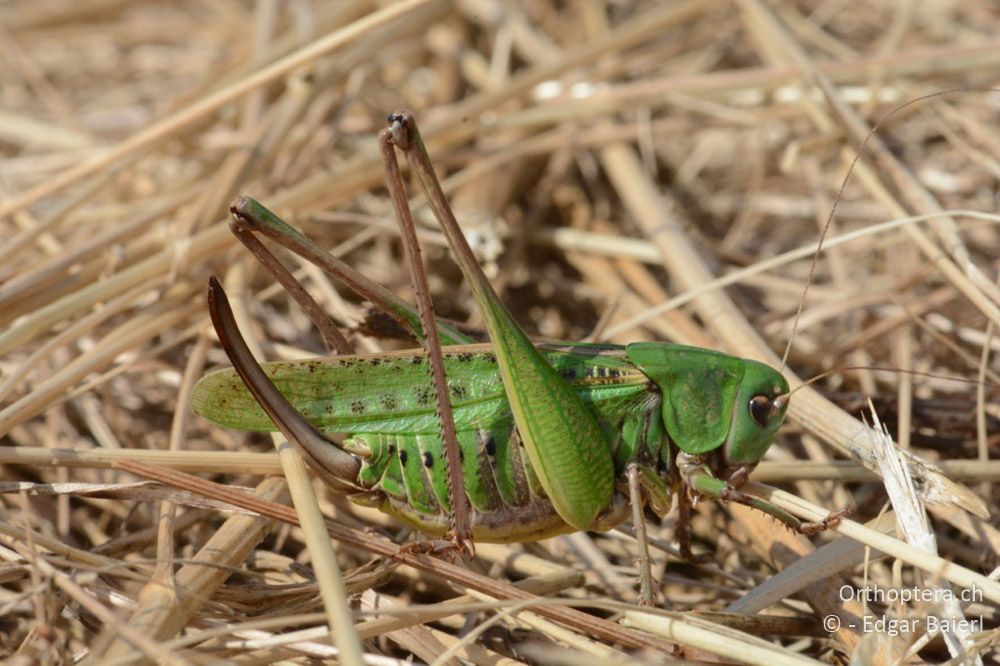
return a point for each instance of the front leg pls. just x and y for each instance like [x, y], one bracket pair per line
[699, 478]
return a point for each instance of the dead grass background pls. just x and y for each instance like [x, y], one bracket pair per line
[605, 156]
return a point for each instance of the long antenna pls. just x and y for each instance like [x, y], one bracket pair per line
[840, 193]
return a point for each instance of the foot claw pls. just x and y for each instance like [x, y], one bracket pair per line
[453, 548]
[441, 548]
[464, 545]
[831, 521]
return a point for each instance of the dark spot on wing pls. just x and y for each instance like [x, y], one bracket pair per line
[465, 357]
[491, 446]
[424, 395]
[357, 407]
[458, 391]
[602, 372]
[428, 459]
[402, 456]
[388, 402]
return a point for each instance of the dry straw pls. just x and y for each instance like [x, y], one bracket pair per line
[631, 171]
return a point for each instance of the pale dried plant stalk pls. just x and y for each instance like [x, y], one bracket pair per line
[633, 171]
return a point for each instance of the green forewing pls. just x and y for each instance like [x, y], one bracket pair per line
[371, 393]
[391, 393]
[699, 388]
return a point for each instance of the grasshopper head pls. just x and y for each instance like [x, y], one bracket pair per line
[721, 408]
[758, 411]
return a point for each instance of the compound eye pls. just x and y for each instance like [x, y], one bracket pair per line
[760, 410]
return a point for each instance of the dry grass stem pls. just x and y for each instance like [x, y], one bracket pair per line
[626, 171]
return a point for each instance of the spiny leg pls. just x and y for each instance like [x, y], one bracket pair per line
[249, 215]
[683, 528]
[829, 522]
[461, 528]
[332, 337]
[646, 592]
[562, 438]
[706, 484]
